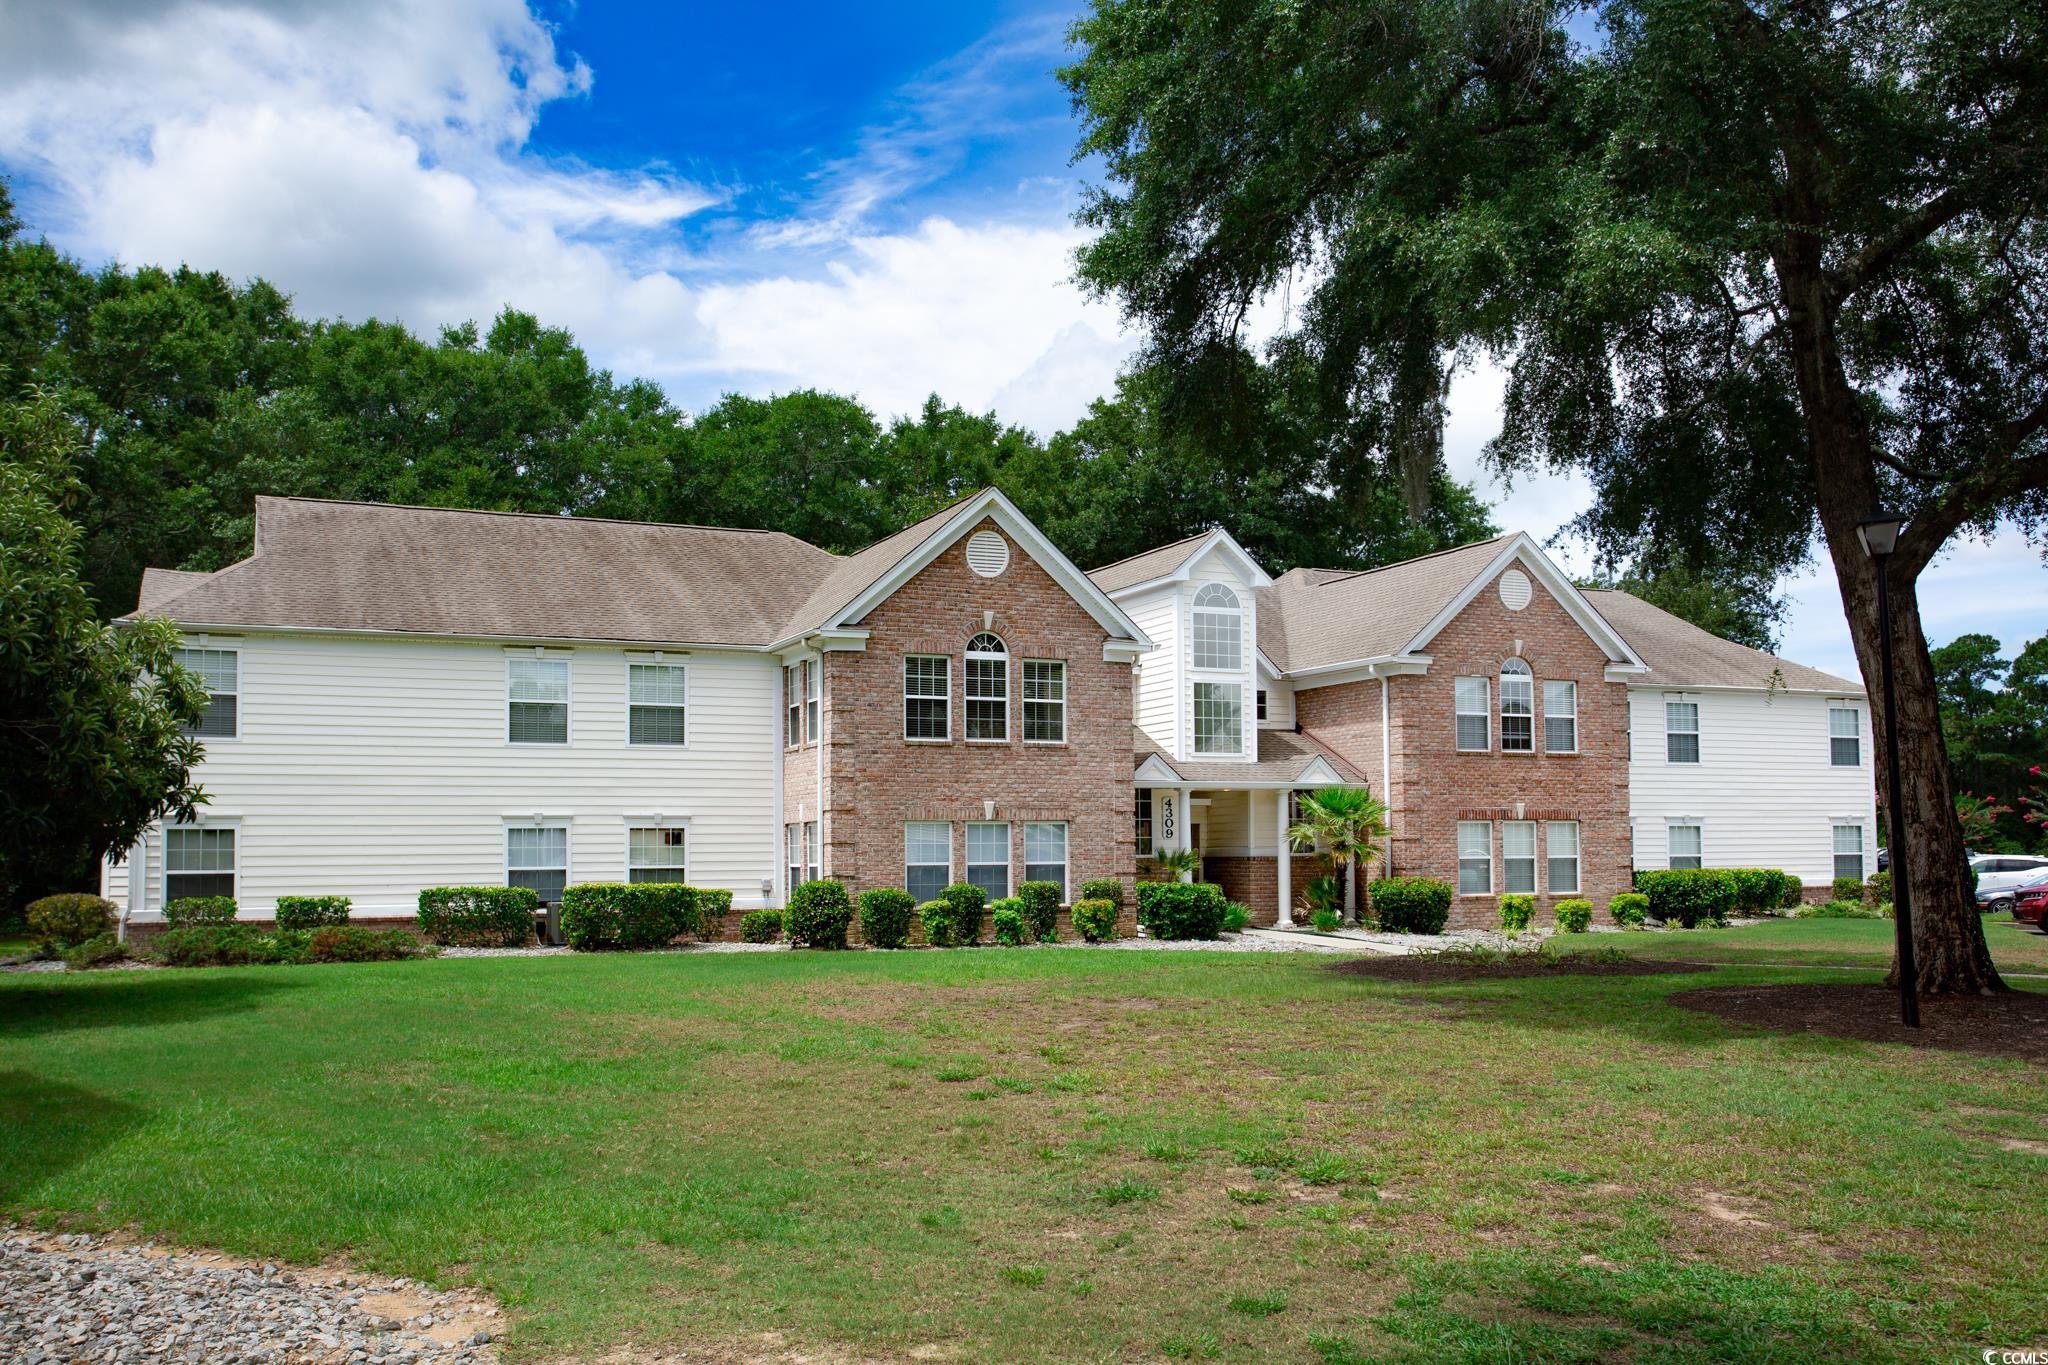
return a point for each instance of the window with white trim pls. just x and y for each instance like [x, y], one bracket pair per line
[793, 705]
[1475, 726]
[1144, 822]
[537, 701]
[1681, 731]
[1045, 854]
[1517, 708]
[988, 857]
[1475, 858]
[1849, 851]
[927, 696]
[1518, 856]
[800, 842]
[814, 862]
[538, 857]
[988, 689]
[1684, 846]
[198, 862]
[657, 854]
[1560, 717]
[1045, 701]
[655, 698]
[1218, 628]
[219, 671]
[1845, 737]
[1561, 857]
[1260, 699]
[1219, 718]
[927, 858]
[814, 686]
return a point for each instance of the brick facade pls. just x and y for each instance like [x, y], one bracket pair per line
[1253, 881]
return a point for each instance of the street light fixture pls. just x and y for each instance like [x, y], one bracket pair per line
[1879, 535]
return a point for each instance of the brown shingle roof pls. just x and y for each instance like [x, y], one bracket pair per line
[855, 574]
[161, 585]
[1142, 568]
[1283, 756]
[1313, 618]
[1680, 654]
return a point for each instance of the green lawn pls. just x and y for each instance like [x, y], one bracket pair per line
[1049, 1155]
[2015, 947]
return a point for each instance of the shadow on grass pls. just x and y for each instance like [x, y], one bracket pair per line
[50, 1127]
[46, 1004]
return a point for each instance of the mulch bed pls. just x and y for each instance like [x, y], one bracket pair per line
[1453, 967]
[2010, 1024]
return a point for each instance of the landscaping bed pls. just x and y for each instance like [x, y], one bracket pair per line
[1454, 965]
[2009, 1024]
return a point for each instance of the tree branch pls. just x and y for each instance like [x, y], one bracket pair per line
[1898, 465]
[1915, 228]
[1979, 491]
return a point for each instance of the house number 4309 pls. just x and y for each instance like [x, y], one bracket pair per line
[1166, 819]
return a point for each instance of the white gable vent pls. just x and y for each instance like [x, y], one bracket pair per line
[1514, 590]
[988, 554]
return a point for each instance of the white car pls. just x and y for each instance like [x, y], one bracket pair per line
[2000, 874]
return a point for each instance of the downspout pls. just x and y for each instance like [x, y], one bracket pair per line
[777, 744]
[1386, 778]
[818, 741]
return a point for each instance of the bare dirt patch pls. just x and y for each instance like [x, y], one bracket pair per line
[1461, 967]
[2010, 1024]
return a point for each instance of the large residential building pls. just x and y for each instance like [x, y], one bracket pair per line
[412, 697]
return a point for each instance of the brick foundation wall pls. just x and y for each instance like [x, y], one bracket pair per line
[1254, 882]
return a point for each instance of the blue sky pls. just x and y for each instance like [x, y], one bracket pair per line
[875, 199]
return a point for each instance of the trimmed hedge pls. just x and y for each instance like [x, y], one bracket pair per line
[1574, 916]
[885, 917]
[1041, 907]
[1095, 918]
[479, 916]
[1412, 905]
[1517, 908]
[311, 912]
[1104, 889]
[70, 919]
[1006, 920]
[819, 913]
[200, 910]
[1842, 909]
[1846, 889]
[354, 943]
[761, 926]
[1793, 893]
[954, 919]
[1629, 908]
[1181, 910]
[1760, 890]
[1689, 896]
[237, 945]
[597, 916]
[713, 905]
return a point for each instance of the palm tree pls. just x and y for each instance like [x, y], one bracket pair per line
[1174, 864]
[1347, 823]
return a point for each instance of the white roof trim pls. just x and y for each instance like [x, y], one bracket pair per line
[1183, 572]
[1319, 770]
[1523, 549]
[990, 503]
[1157, 769]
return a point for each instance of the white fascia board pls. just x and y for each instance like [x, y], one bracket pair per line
[992, 504]
[1124, 651]
[1358, 670]
[1845, 693]
[1529, 554]
[191, 629]
[1158, 772]
[1319, 770]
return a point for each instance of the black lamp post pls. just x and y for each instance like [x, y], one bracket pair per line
[1880, 536]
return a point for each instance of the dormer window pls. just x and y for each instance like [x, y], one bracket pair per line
[1218, 629]
[1517, 708]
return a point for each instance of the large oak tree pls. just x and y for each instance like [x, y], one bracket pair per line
[1758, 268]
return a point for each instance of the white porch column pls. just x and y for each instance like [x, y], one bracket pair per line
[1185, 798]
[1283, 862]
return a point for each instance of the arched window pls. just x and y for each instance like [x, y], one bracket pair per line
[1218, 628]
[1517, 708]
[988, 688]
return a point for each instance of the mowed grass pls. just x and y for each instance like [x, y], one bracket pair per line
[2015, 947]
[1047, 1155]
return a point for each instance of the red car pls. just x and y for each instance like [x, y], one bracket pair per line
[2030, 904]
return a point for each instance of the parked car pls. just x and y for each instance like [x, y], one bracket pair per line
[2030, 903]
[2000, 874]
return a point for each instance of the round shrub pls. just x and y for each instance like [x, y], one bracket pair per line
[969, 903]
[761, 926]
[1792, 894]
[1181, 910]
[1095, 918]
[936, 916]
[1691, 896]
[479, 916]
[1516, 910]
[885, 917]
[1574, 916]
[1104, 889]
[1040, 903]
[200, 910]
[1629, 908]
[65, 921]
[628, 915]
[1412, 905]
[1007, 918]
[311, 912]
[1878, 890]
[1757, 890]
[1847, 889]
[1324, 920]
[819, 913]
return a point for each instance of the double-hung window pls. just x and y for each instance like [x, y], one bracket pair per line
[1845, 737]
[1475, 728]
[1045, 701]
[988, 857]
[1849, 851]
[1517, 708]
[1045, 854]
[1218, 629]
[655, 700]
[927, 858]
[793, 705]
[1681, 731]
[1144, 825]
[1475, 858]
[802, 845]
[198, 862]
[988, 689]
[1560, 717]
[1259, 698]
[657, 855]
[814, 686]
[538, 857]
[1518, 856]
[1684, 845]
[927, 696]
[1561, 853]
[1219, 718]
[219, 672]
[537, 701]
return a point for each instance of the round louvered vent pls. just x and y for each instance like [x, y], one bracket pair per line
[1514, 590]
[988, 554]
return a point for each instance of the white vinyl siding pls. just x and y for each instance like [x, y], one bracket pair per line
[658, 855]
[1681, 731]
[219, 672]
[1845, 737]
[1475, 724]
[927, 696]
[1560, 717]
[1518, 856]
[988, 857]
[1686, 845]
[1848, 844]
[1219, 718]
[1561, 855]
[537, 701]
[927, 858]
[988, 690]
[656, 698]
[1156, 703]
[1045, 701]
[1045, 854]
[198, 862]
[1517, 708]
[1475, 858]
[538, 858]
